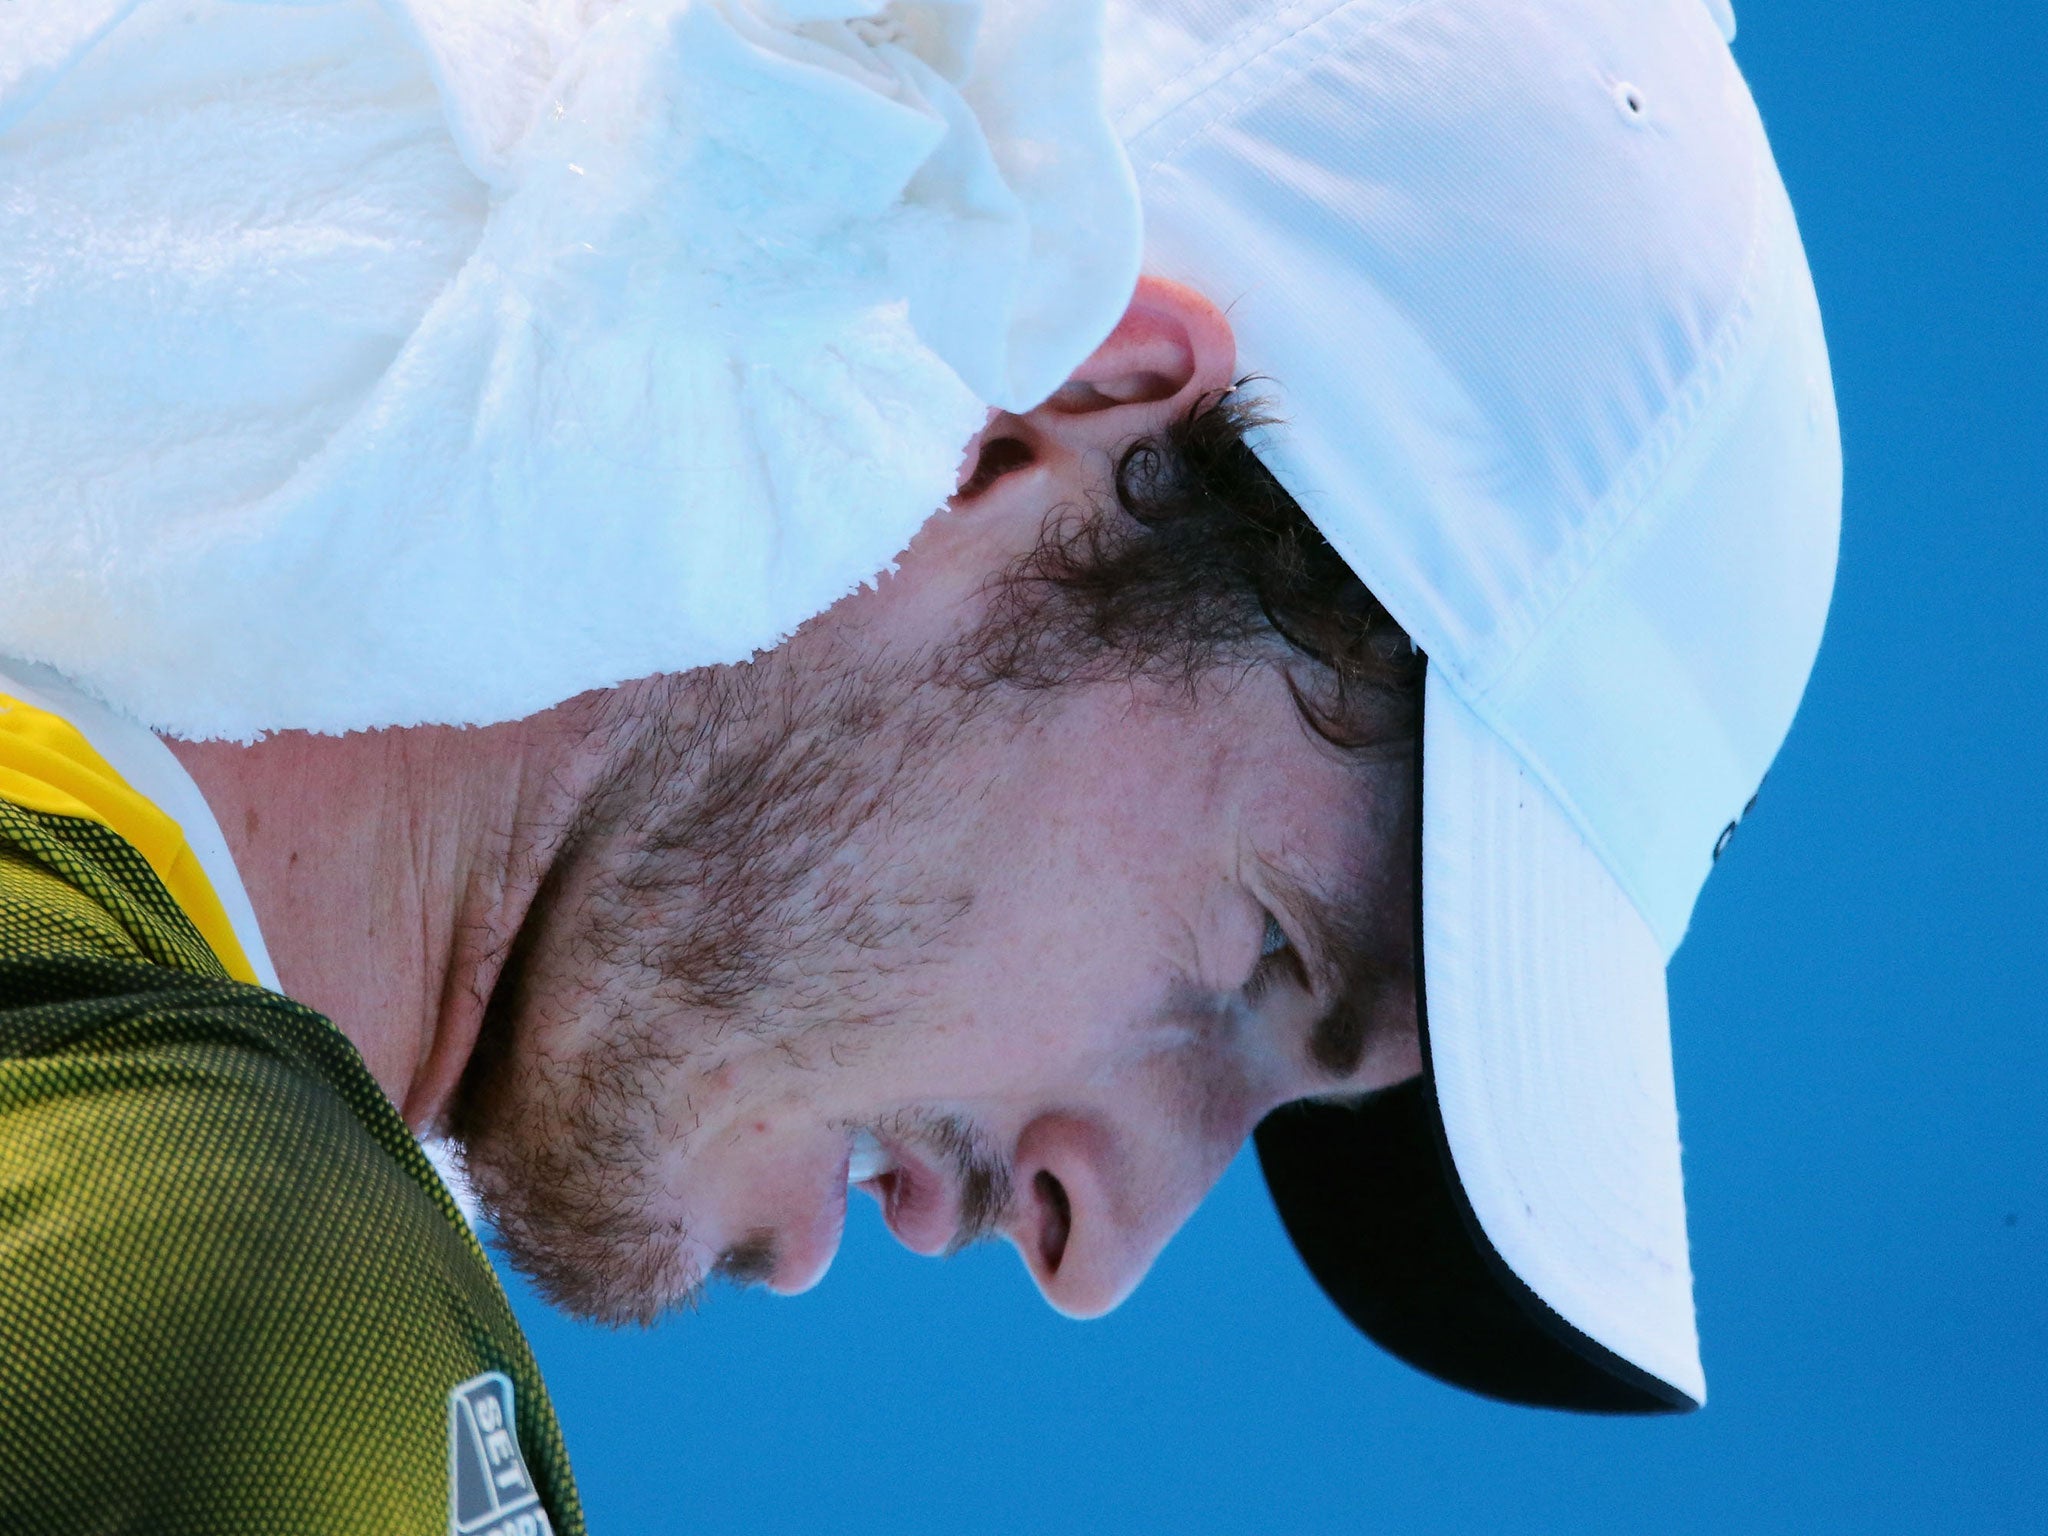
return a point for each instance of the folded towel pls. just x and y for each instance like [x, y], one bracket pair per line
[375, 364]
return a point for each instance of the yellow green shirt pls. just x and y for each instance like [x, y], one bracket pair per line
[234, 1295]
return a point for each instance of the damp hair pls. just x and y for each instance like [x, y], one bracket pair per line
[1202, 561]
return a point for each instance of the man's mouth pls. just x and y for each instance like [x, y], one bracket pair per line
[868, 1159]
[918, 1202]
[940, 1191]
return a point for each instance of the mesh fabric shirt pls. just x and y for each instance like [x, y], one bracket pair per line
[234, 1295]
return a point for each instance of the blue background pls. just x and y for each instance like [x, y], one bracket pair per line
[1859, 1033]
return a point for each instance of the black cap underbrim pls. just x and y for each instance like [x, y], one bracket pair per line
[1369, 1194]
[1366, 1194]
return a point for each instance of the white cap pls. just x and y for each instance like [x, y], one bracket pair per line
[1527, 290]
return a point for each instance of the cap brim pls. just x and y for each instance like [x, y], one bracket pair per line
[1514, 1221]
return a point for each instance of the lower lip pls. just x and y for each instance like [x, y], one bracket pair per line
[913, 1200]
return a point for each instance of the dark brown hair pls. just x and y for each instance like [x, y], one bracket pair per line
[1205, 561]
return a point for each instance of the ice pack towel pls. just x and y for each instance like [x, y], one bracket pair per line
[435, 360]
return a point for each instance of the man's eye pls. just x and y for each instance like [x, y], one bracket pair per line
[1276, 959]
[1275, 939]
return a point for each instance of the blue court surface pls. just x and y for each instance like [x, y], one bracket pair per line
[1859, 1016]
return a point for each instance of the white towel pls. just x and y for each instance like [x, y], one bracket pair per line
[374, 364]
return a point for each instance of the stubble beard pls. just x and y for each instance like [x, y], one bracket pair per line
[723, 894]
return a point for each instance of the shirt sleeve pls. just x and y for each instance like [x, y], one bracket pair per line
[226, 1309]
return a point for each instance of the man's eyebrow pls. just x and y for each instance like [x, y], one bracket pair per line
[1359, 947]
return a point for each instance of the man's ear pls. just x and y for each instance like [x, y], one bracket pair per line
[1172, 348]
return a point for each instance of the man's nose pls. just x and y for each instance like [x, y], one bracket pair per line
[1091, 1214]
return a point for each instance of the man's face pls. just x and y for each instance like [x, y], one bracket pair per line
[1022, 963]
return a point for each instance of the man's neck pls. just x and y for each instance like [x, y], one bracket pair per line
[390, 871]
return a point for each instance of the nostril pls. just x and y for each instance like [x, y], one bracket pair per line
[1058, 1220]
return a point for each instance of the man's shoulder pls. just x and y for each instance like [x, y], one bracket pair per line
[146, 1100]
[99, 802]
[70, 884]
[230, 1274]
